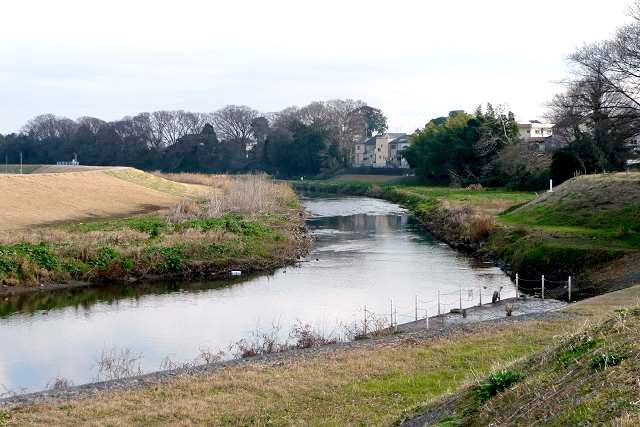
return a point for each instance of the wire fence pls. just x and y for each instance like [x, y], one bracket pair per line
[458, 301]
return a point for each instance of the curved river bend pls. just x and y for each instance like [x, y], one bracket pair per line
[368, 252]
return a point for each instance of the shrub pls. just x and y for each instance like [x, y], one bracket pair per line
[127, 264]
[481, 227]
[114, 364]
[306, 337]
[75, 267]
[603, 360]
[104, 257]
[152, 225]
[496, 383]
[576, 348]
[59, 384]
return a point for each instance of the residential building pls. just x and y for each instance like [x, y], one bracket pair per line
[535, 131]
[382, 151]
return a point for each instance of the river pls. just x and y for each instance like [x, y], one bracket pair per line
[368, 252]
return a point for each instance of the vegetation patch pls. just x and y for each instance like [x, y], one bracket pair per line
[497, 383]
[258, 230]
[603, 360]
[590, 378]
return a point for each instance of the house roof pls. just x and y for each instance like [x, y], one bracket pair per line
[394, 138]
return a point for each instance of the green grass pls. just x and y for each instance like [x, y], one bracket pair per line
[588, 379]
[108, 249]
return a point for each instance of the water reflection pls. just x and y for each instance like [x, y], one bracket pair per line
[368, 252]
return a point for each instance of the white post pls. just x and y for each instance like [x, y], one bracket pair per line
[438, 302]
[550, 186]
[426, 317]
[543, 286]
[569, 288]
[416, 308]
[391, 313]
[396, 319]
[517, 287]
[365, 320]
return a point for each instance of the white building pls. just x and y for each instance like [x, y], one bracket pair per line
[535, 131]
[382, 151]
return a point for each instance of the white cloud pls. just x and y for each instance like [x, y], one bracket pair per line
[414, 59]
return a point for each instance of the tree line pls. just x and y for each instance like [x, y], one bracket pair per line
[598, 114]
[315, 139]
[597, 126]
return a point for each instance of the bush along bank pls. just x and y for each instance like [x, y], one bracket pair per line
[470, 220]
[188, 242]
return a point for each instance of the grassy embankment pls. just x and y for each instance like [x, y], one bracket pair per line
[376, 384]
[589, 227]
[193, 230]
[591, 378]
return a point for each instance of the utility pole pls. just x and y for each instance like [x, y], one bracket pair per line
[21, 163]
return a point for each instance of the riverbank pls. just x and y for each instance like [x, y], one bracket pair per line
[587, 228]
[250, 225]
[374, 382]
[446, 325]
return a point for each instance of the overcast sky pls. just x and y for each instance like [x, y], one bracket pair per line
[413, 59]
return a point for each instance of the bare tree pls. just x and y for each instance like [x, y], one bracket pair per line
[50, 126]
[93, 124]
[235, 123]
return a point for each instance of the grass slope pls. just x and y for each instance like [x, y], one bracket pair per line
[372, 384]
[253, 225]
[37, 199]
[595, 207]
[591, 378]
[588, 224]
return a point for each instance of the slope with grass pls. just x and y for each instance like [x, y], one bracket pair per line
[372, 382]
[588, 224]
[251, 224]
[39, 199]
[590, 378]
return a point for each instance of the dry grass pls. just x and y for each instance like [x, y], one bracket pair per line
[365, 386]
[214, 181]
[251, 195]
[37, 199]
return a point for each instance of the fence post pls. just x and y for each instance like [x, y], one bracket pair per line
[365, 320]
[480, 293]
[569, 288]
[460, 298]
[396, 317]
[416, 308]
[426, 317]
[543, 286]
[391, 313]
[517, 285]
[438, 302]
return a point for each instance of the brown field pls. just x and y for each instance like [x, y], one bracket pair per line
[45, 198]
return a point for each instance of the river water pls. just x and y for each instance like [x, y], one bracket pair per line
[368, 252]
